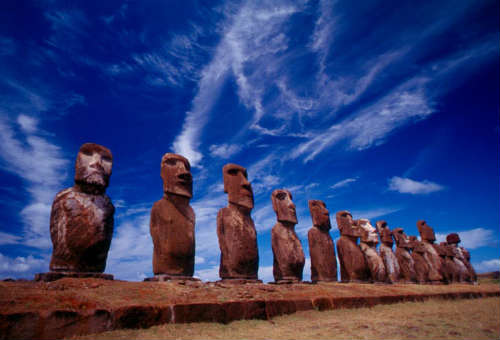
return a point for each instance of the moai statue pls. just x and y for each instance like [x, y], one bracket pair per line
[239, 260]
[450, 270]
[385, 250]
[421, 264]
[353, 266]
[321, 248]
[81, 220]
[462, 259]
[289, 259]
[403, 255]
[428, 238]
[445, 270]
[368, 245]
[172, 222]
[468, 264]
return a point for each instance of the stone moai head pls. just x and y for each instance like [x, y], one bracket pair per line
[283, 206]
[368, 233]
[402, 240]
[446, 250]
[346, 225]
[385, 233]
[93, 166]
[236, 185]
[416, 245]
[176, 175]
[426, 232]
[453, 238]
[320, 214]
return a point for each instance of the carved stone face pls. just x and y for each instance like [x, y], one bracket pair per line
[320, 214]
[402, 240]
[426, 232]
[176, 175]
[446, 250]
[368, 233]
[453, 238]
[346, 225]
[283, 206]
[93, 165]
[236, 185]
[385, 233]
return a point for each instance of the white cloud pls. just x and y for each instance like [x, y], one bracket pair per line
[224, 151]
[22, 267]
[28, 124]
[41, 164]
[487, 266]
[373, 213]
[6, 238]
[471, 239]
[343, 183]
[208, 274]
[409, 186]
[372, 124]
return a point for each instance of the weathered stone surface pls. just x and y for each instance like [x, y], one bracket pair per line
[173, 220]
[421, 264]
[405, 260]
[428, 238]
[445, 269]
[353, 266]
[81, 220]
[461, 259]
[368, 245]
[289, 259]
[385, 250]
[321, 248]
[235, 228]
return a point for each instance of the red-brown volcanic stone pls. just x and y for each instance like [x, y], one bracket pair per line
[421, 264]
[353, 266]
[172, 220]
[433, 260]
[405, 260]
[81, 220]
[289, 260]
[321, 248]
[385, 250]
[235, 228]
[368, 245]
[463, 256]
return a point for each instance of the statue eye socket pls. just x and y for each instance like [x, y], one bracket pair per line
[170, 161]
[106, 158]
[232, 172]
[281, 196]
[86, 152]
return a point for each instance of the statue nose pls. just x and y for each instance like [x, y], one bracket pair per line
[186, 176]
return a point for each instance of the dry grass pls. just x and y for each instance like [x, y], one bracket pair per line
[433, 319]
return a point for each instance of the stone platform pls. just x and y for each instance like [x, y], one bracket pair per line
[69, 306]
[53, 276]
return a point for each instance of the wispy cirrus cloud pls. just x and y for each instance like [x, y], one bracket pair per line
[410, 186]
[41, 164]
[343, 183]
[224, 151]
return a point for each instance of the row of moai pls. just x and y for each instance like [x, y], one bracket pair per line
[81, 228]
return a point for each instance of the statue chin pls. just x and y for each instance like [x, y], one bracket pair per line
[96, 180]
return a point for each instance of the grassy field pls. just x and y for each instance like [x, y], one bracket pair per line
[433, 319]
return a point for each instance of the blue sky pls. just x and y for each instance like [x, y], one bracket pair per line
[387, 109]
